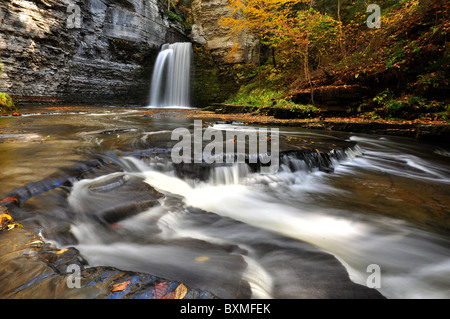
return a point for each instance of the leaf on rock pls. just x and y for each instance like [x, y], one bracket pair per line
[180, 292]
[14, 225]
[5, 216]
[170, 295]
[121, 287]
[35, 242]
[160, 290]
[201, 258]
[10, 200]
[59, 252]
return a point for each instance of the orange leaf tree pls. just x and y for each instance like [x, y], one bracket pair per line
[290, 27]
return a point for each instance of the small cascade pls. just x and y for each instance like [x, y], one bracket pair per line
[172, 76]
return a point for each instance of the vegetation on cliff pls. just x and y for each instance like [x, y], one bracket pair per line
[6, 102]
[318, 46]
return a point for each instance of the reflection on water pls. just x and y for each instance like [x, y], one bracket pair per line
[386, 203]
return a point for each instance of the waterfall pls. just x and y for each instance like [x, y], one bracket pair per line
[171, 76]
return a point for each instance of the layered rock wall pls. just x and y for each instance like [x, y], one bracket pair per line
[103, 51]
[105, 56]
[218, 69]
[208, 31]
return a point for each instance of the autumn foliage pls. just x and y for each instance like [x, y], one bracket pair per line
[325, 42]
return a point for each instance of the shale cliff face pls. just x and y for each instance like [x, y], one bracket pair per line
[208, 31]
[218, 74]
[98, 51]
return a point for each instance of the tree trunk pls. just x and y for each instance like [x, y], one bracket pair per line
[340, 29]
[273, 58]
[259, 65]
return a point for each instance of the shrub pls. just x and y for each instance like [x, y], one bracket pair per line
[6, 103]
[250, 96]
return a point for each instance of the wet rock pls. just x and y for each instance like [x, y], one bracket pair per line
[109, 185]
[140, 286]
[313, 160]
[309, 274]
[32, 271]
[113, 201]
[60, 260]
[57, 228]
[20, 265]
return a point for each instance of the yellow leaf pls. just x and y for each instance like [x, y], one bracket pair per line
[5, 216]
[62, 251]
[36, 242]
[180, 292]
[14, 225]
[120, 287]
[201, 258]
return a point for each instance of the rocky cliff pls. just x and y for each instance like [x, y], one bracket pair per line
[103, 51]
[208, 32]
[90, 51]
[218, 73]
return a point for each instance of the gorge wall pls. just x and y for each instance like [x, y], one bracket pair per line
[218, 72]
[208, 31]
[107, 56]
[104, 57]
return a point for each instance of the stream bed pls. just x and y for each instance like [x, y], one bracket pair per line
[346, 215]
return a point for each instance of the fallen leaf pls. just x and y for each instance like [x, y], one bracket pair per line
[36, 242]
[10, 200]
[120, 287]
[59, 252]
[170, 295]
[201, 258]
[29, 253]
[14, 225]
[180, 292]
[5, 216]
[159, 291]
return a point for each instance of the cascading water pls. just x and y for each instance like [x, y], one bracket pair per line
[171, 76]
[302, 232]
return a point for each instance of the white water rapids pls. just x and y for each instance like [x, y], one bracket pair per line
[303, 207]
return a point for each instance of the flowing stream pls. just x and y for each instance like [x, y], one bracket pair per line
[298, 233]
